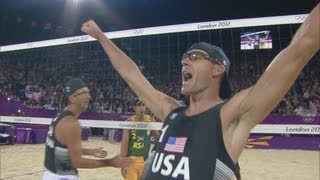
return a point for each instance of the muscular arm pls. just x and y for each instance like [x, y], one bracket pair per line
[72, 138]
[68, 132]
[282, 72]
[255, 103]
[86, 151]
[124, 143]
[250, 38]
[249, 107]
[155, 134]
[266, 36]
[156, 101]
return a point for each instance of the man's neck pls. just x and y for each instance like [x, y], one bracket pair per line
[75, 110]
[201, 102]
[139, 117]
[204, 100]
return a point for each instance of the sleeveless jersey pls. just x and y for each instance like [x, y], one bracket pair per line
[256, 44]
[191, 148]
[57, 158]
[139, 140]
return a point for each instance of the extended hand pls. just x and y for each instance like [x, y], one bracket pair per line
[92, 29]
[120, 162]
[99, 152]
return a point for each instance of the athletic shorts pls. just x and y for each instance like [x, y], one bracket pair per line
[52, 176]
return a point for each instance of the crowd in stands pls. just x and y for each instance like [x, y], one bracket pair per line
[43, 88]
[25, 27]
[40, 85]
[19, 29]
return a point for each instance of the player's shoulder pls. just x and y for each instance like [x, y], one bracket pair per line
[69, 125]
[131, 118]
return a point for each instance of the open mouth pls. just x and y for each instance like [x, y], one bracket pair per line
[186, 77]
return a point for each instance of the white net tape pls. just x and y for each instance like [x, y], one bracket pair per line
[259, 129]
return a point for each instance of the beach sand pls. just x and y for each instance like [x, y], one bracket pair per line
[25, 162]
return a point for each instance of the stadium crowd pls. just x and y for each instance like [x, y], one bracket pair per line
[39, 85]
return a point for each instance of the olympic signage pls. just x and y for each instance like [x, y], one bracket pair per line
[214, 25]
[78, 39]
[287, 129]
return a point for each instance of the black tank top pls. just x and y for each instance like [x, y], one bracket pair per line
[57, 158]
[256, 44]
[191, 148]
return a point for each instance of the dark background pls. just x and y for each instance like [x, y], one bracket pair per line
[31, 20]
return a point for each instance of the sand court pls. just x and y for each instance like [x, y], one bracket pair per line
[25, 162]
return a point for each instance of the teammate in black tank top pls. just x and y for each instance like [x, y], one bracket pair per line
[182, 149]
[63, 153]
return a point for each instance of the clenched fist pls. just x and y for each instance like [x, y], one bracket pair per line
[92, 29]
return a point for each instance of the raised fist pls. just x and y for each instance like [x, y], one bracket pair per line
[92, 29]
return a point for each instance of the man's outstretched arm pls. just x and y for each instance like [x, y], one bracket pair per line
[156, 101]
[282, 72]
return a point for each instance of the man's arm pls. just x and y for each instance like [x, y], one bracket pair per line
[124, 143]
[96, 152]
[158, 102]
[250, 38]
[87, 152]
[71, 133]
[281, 73]
[266, 35]
[155, 134]
[124, 149]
